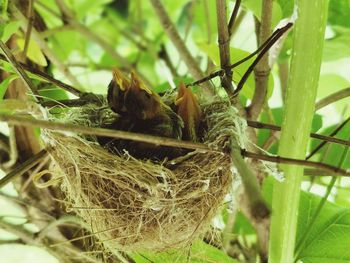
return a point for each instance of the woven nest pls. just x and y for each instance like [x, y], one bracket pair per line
[135, 205]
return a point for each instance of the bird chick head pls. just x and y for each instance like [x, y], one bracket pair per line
[141, 101]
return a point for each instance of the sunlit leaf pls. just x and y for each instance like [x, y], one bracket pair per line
[5, 83]
[34, 52]
[9, 29]
[328, 238]
[200, 253]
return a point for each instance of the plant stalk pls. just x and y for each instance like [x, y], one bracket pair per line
[299, 109]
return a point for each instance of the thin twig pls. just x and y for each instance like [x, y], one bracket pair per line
[174, 36]
[22, 168]
[139, 137]
[47, 77]
[30, 15]
[322, 144]
[341, 94]
[24, 121]
[277, 159]
[233, 17]
[263, 48]
[18, 69]
[260, 125]
[224, 45]
[262, 69]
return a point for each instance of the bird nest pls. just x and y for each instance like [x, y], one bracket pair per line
[136, 205]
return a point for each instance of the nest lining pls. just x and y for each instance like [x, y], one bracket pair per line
[136, 205]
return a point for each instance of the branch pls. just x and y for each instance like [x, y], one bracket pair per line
[174, 36]
[260, 125]
[341, 126]
[263, 48]
[18, 69]
[140, 137]
[224, 45]
[262, 70]
[233, 17]
[47, 77]
[278, 159]
[22, 168]
[341, 94]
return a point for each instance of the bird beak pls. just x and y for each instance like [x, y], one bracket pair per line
[137, 83]
[181, 93]
[118, 78]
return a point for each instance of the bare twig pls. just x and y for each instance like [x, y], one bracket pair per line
[262, 69]
[233, 17]
[45, 48]
[18, 68]
[262, 50]
[224, 45]
[174, 36]
[260, 125]
[139, 137]
[22, 168]
[24, 121]
[47, 77]
[341, 94]
[277, 159]
[322, 144]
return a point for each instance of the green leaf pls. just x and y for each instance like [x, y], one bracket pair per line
[9, 29]
[337, 47]
[5, 83]
[338, 13]
[287, 7]
[328, 239]
[34, 52]
[330, 83]
[200, 253]
[255, 6]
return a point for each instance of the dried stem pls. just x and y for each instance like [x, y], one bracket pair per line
[174, 36]
[224, 45]
[24, 121]
[262, 69]
[341, 94]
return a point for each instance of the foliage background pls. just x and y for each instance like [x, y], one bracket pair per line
[131, 29]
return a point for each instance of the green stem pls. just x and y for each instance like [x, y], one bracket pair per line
[299, 109]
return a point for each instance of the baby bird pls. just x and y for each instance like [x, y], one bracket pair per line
[142, 111]
[146, 106]
[116, 91]
[189, 110]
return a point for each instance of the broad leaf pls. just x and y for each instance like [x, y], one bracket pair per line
[34, 52]
[200, 253]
